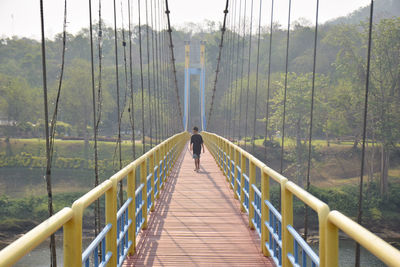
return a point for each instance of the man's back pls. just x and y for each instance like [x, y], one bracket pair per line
[196, 140]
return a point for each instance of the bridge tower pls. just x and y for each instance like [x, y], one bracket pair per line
[200, 70]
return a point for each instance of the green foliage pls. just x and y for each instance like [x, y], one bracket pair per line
[375, 208]
[32, 208]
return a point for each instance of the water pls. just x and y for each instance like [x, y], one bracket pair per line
[347, 255]
[40, 256]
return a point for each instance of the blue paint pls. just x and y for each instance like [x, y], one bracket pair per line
[93, 249]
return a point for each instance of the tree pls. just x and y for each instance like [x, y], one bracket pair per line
[385, 93]
[297, 113]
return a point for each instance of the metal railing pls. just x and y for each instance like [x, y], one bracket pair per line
[118, 237]
[279, 239]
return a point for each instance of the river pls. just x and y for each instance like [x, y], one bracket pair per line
[39, 257]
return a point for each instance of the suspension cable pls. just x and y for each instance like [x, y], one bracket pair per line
[218, 59]
[311, 118]
[158, 66]
[231, 70]
[171, 45]
[257, 66]
[162, 76]
[269, 80]
[225, 72]
[248, 76]
[162, 68]
[118, 101]
[360, 196]
[242, 70]
[148, 75]
[55, 112]
[285, 90]
[117, 84]
[95, 129]
[97, 123]
[154, 72]
[131, 106]
[53, 257]
[141, 78]
[237, 69]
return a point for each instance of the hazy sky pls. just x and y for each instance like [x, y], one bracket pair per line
[22, 17]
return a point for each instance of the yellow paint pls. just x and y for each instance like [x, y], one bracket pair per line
[237, 155]
[264, 211]
[70, 219]
[329, 221]
[131, 185]
[143, 180]
[111, 217]
[22, 246]
[252, 180]
[202, 53]
[187, 55]
[242, 171]
[151, 168]
[381, 249]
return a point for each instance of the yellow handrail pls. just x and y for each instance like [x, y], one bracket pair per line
[329, 221]
[70, 219]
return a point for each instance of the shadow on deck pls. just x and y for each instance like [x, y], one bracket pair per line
[197, 222]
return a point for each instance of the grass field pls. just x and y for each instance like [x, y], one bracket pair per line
[69, 148]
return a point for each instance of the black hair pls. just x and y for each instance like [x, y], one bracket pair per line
[195, 129]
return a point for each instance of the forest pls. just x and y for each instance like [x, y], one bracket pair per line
[338, 111]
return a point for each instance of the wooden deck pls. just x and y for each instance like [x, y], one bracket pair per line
[197, 222]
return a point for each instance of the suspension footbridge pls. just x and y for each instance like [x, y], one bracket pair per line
[236, 211]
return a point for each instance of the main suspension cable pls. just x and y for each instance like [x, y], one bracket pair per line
[230, 132]
[242, 71]
[141, 78]
[285, 90]
[360, 196]
[225, 72]
[131, 109]
[95, 129]
[248, 76]
[311, 118]
[268, 80]
[53, 257]
[256, 89]
[148, 75]
[97, 123]
[237, 70]
[154, 73]
[218, 60]
[171, 46]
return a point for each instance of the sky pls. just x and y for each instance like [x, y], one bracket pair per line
[22, 17]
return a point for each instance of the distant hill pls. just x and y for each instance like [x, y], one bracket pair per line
[382, 9]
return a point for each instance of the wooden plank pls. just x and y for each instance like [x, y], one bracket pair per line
[197, 222]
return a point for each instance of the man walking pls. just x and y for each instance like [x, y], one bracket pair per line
[196, 143]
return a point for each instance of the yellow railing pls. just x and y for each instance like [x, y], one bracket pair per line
[236, 163]
[159, 159]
